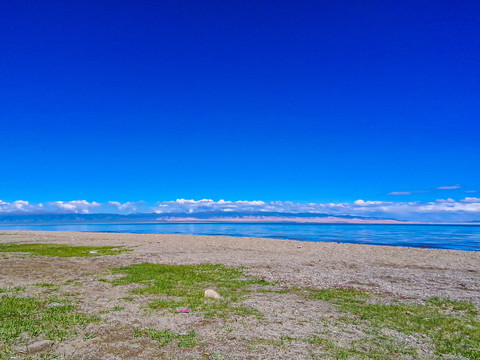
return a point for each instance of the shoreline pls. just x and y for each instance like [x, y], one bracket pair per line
[373, 261]
[452, 240]
[253, 222]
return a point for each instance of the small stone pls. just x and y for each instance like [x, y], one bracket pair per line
[39, 345]
[54, 304]
[212, 294]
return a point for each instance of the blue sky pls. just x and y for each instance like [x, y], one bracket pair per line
[308, 101]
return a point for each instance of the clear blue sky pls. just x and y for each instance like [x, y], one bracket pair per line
[304, 101]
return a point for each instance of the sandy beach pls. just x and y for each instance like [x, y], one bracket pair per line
[395, 273]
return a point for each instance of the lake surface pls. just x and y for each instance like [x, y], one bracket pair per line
[456, 237]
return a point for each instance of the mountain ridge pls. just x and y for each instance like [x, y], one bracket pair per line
[200, 217]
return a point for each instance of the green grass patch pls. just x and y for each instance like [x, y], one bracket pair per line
[331, 350]
[73, 282]
[282, 342]
[373, 347]
[33, 316]
[62, 250]
[165, 337]
[13, 289]
[341, 295]
[44, 357]
[49, 287]
[183, 286]
[453, 327]
[46, 285]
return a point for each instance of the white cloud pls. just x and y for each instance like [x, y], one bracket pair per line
[19, 206]
[442, 209]
[449, 205]
[368, 203]
[203, 205]
[128, 206]
[75, 206]
[467, 209]
[452, 187]
[408, 192]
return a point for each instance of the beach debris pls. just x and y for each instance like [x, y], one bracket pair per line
[93, 251]
[212, 294]
[39, 345]
[183, 333]
[184, 311]
[53, 304]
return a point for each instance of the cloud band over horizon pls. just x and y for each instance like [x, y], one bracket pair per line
[467, 209]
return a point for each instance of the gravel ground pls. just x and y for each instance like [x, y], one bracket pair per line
[409, 274]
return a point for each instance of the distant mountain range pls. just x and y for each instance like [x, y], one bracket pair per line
[201, 217]
[213, 216]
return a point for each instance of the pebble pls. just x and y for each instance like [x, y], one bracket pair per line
[53, 304]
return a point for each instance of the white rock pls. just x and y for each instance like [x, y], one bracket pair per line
[39, 345]
[212, 294]
[53, 304]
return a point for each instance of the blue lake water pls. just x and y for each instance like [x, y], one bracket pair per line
[456, 237]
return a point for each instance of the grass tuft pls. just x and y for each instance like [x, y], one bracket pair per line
[13, 289]
[453, 327]
[46, 285]
[62, 250]
[33, 316]
[341, 295]
[183, 286]
[165, 337]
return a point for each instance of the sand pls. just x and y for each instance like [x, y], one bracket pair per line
[411, 274]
